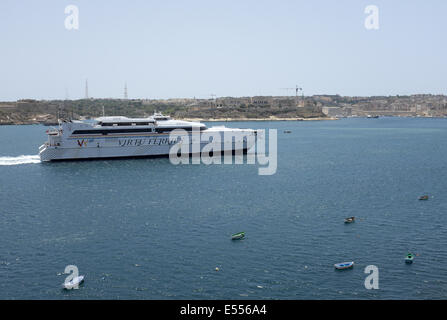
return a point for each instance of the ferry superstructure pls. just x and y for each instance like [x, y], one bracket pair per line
[123, 137]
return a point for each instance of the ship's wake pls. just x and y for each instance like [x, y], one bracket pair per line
[24, 159]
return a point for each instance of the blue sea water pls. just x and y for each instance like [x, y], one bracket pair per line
[147, 229]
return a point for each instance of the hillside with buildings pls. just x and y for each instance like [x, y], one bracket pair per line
[30, 111]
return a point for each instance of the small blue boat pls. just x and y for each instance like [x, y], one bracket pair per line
[344, 265]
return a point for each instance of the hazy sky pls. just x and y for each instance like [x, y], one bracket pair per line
[195, 48]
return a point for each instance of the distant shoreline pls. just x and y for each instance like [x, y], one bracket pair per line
[257, 119]
[193, 119]
[227, 120]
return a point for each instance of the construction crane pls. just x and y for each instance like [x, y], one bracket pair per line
[296, 93]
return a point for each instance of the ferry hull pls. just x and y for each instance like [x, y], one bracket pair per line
[99, 150]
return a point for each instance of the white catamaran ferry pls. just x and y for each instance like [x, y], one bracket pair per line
[119, 137]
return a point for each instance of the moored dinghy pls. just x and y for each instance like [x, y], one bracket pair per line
[238, 236]
[344, 265]
[349, 220]
[425, 197]
[409, 258]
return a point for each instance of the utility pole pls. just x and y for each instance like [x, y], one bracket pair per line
[125, 91]
[213, 96]
[86, 88]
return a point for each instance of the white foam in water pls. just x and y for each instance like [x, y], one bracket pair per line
[12, 161]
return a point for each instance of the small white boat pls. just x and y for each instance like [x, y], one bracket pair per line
[73, 283]
[344, 265]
